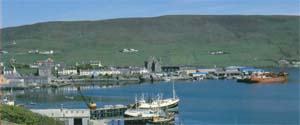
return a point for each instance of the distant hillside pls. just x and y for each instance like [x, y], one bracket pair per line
[176, 39]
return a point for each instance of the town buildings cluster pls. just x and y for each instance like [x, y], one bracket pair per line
[50, 72]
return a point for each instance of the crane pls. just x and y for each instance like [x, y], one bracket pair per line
[90, 104]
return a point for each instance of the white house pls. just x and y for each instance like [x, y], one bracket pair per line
[139, 71]
[67, 72]
[110, 72]
[85, 73]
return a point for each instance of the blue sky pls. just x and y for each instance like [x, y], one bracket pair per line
[20, 12]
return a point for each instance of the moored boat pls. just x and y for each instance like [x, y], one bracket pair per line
[267, 77]
[143, 113]
[170, 117]
[165, 104]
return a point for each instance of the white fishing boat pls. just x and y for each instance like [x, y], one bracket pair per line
[143, 113]
[159, 102]
[154, 115]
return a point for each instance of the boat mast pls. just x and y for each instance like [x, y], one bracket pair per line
[174, 94]
[136, 103]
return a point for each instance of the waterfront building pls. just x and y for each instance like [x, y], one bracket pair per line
[11, 72]
[200, 74]
[99, 72]
[69, 116]
[124, 71]
[188, 70]
[207, 70]
[139, 71]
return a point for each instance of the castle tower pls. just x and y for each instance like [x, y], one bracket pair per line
[153, 65]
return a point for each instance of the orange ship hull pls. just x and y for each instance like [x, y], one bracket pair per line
[268, 80]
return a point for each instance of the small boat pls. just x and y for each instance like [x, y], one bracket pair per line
[160, 120]
[69, 97]
[143, 113]
[167, 79]
[32, 103]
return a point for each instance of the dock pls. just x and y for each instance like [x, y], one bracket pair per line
[86, 116]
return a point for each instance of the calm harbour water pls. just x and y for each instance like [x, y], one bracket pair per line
[206, 102]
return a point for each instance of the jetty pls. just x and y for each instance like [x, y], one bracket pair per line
[87, 116]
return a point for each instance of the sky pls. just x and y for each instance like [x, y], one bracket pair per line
[22, 12]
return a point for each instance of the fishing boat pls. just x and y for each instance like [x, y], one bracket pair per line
[267, 77]
[143, 113]
[152, 115]
[170, 104]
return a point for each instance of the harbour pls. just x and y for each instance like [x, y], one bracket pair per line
[141, 62]
[202, 102]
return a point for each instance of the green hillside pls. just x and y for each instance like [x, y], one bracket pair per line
[23, 116]
[176, 39]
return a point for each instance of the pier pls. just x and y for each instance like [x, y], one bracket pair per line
[86, 116]
[108, 112]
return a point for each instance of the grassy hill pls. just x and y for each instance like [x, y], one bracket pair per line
[23, 116]
[176, 39]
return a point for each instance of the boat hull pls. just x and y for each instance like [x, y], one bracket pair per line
[269, 80]
[161, 120]
[263, 80]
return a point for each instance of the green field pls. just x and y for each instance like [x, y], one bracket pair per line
[176, 40]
